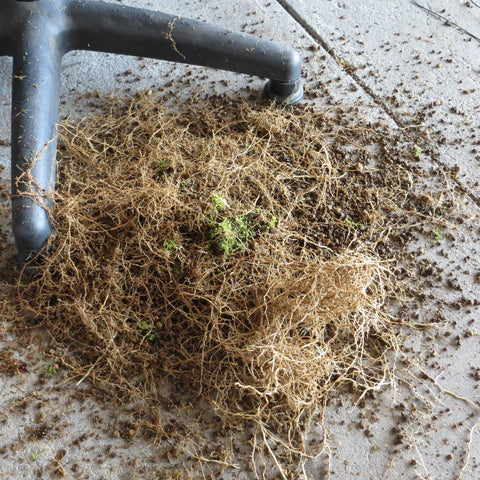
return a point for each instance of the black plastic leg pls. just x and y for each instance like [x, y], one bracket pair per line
[133, 31]
[37, 33]
[35, 103]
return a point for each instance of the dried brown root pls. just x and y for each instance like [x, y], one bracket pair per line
[232, 248]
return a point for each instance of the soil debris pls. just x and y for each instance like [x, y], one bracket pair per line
[244, 252]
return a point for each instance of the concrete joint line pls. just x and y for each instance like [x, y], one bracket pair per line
[463, 188]
[346, 67]
[343, 64]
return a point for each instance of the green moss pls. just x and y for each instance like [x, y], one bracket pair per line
[230, 234]
[171, 245]
[219, 202]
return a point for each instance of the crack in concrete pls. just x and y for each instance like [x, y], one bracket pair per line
[348, 69]
[445, 20]
[471, 194]
[343, 64]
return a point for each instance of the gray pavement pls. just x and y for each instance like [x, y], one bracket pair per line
[401, 65]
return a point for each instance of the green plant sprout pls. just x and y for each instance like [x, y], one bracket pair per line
[438, 234]
[50, 371]
[417, 150]
[35, 455]
[163, 164]
[171, 245]
[233, 233]
[249, 148]
[351, 223]
[272, 223]
[243, 228]
[219, 202]
[146, 331]
[230, 234]
[226, 237]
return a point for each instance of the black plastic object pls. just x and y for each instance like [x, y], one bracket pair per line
[37, 33]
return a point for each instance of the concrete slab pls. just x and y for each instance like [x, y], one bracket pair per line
[398, 64]
[422, 72]
[414, 66]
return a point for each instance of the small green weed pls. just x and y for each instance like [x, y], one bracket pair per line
[438, 234]
[146, 331]
[249, 148]
[230, 234]
[171, 245]
[417, 150]
[35, 455]
[219, 202]
[351, 223]
[233, 233]
[271, 223]
[50, 371]
[163, 164]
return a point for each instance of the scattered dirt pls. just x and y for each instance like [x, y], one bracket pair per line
[249, 256]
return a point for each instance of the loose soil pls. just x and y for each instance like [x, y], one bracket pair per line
[239, 254]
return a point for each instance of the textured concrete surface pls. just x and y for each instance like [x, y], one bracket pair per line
[401, 65]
